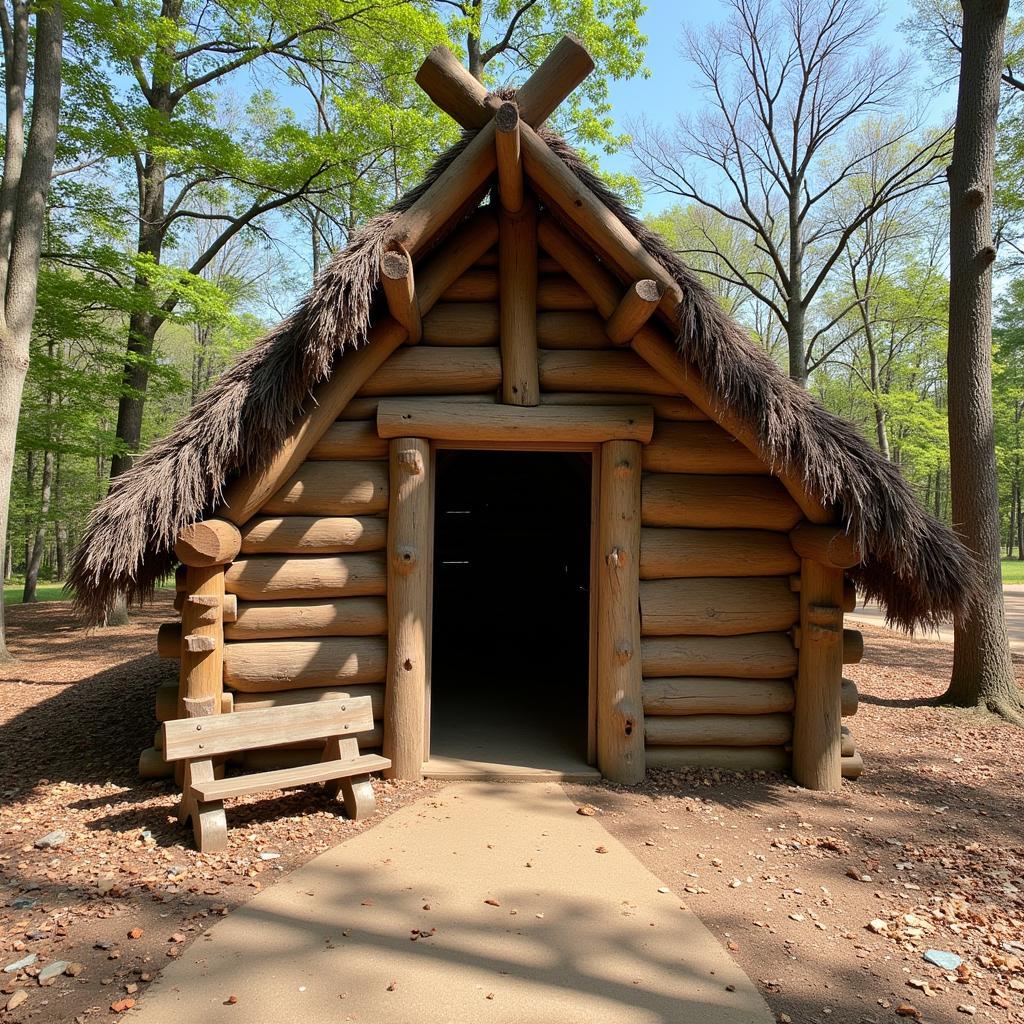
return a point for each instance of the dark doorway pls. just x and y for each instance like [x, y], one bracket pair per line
[511, 616]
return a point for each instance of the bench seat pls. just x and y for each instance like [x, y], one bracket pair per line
[284, 778]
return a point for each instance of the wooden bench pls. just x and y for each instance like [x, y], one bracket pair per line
[199, 739]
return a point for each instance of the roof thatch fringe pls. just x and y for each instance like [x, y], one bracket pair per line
[915, 566]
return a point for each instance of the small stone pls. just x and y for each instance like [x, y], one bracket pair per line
[135, 933]
[269, 855]
[492, 903]
[131, 988]
[16, 1000]
[878, 926]
[908, 1010]
[796, 917]
[231, 1000]
[52, 840]
[25, 903]
[122, 1005]
[601, 849]
[52, 971]
[587, 810]
[664, 889]
[967, 1008]
[941, 958]
[20, 965]
[73, 970]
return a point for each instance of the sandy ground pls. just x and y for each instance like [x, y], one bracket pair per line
[927, 844]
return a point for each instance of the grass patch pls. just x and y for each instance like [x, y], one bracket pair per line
[44, 592]
[1013, 570]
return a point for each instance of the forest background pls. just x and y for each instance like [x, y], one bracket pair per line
[212, 156]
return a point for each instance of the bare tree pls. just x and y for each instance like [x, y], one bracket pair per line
[788, 85]
[982, 671]
[26, 182]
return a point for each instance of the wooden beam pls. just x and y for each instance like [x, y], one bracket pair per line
[620, 713]
[510, 164]
[736, 759]
[718, 730]
[355, 488]
[209, 542]
[717, 502]
[425, 370]
[650, 344]
[716, 606]
[517, 305]
[635, 308]
[678, 553]
[446, 81]
[751, 656]
[201, 674]
[446, 421]
[560, 72]
[345, 616]
[268, 666]
[398, 282]
[831, 546]
[477, 234]
[287, 577]
[818, 710]
[701, 447]
[708, 695]
[409, 579]
[352, 439]
[312, 535]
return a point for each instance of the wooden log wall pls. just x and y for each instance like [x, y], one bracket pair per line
[716, 605]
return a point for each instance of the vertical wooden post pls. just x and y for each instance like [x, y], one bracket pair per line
[202, 637]
[817, 714]
[620, 715]
[517, 278]
[409, 517]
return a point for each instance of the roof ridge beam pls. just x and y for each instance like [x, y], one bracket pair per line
[510, 163]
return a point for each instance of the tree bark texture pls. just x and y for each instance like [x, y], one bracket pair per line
[982, 671]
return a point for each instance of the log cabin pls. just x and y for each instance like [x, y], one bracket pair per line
[511, 471]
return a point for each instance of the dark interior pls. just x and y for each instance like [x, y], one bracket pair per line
[511, 607]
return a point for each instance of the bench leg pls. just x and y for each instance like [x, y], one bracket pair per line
[209, 823]
[357, 792]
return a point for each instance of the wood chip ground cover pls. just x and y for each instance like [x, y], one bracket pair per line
[928, 843]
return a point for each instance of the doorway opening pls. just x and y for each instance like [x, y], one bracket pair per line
[510, 662]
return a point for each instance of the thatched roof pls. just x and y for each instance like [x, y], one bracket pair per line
[914, 565]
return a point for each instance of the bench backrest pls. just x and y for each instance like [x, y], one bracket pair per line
[192, 738]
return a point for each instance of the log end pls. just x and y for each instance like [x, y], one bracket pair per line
[506, 119]
[395, 264]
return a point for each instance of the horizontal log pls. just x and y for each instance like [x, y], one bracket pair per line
[284, 698]
[441, 420]
[168, 640]
[266, 759]
[713, 606]
[614, 370]
[261, 665]
[853, 766]
[300, 535]
[366, 407]
[153, 766]
[281, 578]
[853, 646]
[850, 697]
[754, 656]
[461, 324]
[356, 439]
[166, 702]
[829, 545]
[752, 502]
[427, 370]
[210, 542]
[701, 447]
[635, 308]
[667, 553]
[554, 292]
[718, 730]
[334, 488]
[847, 746]
[711, 695]
[346, 616]
[571, 330]
[665, 407]
[736, 759]
[230, 612]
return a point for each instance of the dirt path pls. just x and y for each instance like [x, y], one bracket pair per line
[935, 822]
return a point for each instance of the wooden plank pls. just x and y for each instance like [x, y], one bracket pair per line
[718, 730]
[718, 502]
[711, 695]
[667, 553]
[702, 447]
[666, 407]
[613, 370]
[347, 616]
[261, 666]
[283, 577]
[285, 698]
[470, 422]
[517, 305]
[620, 742]
[222, 734]
[712, 606]
[424, 371]
[356, 439]
[285, 778]
[735, 759]
[312, 534]
[753, 656]
[333, 489]
[409, 580]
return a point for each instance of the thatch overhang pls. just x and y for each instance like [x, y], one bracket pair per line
[914, 565]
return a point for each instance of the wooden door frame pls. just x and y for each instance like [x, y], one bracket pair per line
[583, 448]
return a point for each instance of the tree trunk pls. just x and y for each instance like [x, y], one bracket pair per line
[32, 569]
[30, 486]
[795, 312]
[1010, 533]
[982, 671]
[26, 183]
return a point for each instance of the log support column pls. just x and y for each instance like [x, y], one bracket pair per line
[517, 279]
[409, 539]
[620, 715]
[817, 738]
